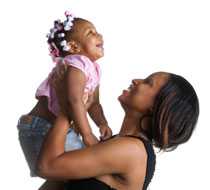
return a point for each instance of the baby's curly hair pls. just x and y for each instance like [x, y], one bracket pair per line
[60, 34]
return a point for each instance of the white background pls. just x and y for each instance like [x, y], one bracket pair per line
[140, 37]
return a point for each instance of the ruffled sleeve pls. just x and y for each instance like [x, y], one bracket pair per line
[89, 68]
[79, 62]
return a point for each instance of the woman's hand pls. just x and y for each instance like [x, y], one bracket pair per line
[105, 132]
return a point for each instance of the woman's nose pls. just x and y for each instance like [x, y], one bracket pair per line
[136, 81]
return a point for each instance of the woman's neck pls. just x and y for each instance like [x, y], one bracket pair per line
[130, 125]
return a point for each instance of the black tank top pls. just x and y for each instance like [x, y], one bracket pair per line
[94, 184]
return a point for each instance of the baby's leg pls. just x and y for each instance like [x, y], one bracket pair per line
[73, 140]
[32, 131]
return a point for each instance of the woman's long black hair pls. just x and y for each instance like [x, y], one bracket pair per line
[175, 114]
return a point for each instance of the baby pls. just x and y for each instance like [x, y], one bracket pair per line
[71, 89]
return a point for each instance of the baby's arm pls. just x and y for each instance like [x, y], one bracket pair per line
[75, 89]
[96, 113]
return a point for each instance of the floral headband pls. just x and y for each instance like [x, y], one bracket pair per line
[58, 28]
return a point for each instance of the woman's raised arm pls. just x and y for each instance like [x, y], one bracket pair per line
[118, 155]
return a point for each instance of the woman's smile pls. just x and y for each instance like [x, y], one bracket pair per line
[129, 89]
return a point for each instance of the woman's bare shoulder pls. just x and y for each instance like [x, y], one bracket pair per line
[130, 154]
[127, 145]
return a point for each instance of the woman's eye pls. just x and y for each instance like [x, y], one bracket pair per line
[148, 81]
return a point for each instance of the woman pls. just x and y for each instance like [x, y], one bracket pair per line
[161, 110]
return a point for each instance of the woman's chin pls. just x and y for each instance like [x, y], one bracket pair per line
[122, 100]
[124, 95]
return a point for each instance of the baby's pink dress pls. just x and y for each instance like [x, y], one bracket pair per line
[89, 68]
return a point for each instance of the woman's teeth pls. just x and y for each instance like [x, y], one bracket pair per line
[99, 45]
[125, 92]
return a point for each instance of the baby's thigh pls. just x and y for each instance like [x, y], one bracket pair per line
[73, 141]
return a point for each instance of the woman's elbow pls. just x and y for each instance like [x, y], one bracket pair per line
[43, 169]
[53, 171]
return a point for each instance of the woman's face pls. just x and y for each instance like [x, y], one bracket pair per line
[141, 93]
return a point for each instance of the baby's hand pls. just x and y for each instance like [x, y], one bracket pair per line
[105, 132]
[90, 139]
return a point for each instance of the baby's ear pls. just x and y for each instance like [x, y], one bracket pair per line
[74, 47]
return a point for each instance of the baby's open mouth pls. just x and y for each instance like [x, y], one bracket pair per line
[99, 45]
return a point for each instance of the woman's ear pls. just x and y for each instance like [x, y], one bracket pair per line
[74, 47]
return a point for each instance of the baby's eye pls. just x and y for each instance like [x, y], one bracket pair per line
[92, 32]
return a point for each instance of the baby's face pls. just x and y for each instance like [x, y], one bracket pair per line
[90, 42]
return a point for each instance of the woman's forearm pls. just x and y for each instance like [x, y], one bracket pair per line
[54, 145]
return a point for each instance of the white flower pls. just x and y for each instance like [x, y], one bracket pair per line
[51, 35]
[67, 28]
[63, 43]
[68, 23]
[70, 18]
[61, 35]
[66, 48]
